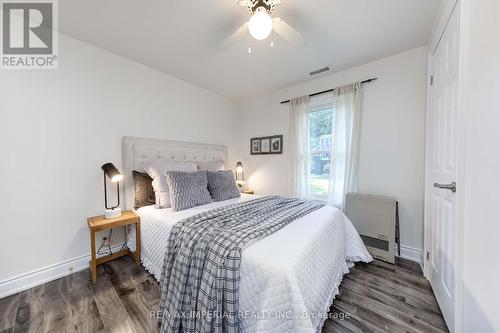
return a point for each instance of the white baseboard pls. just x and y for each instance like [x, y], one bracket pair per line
[45, 274]
[410, 253]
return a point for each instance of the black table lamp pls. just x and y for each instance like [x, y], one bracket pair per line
[115, 176]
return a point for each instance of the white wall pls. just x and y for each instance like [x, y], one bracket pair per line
[58, 127]
[482, 219]
[392, 139]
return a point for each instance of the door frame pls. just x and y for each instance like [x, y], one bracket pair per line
[449, 9]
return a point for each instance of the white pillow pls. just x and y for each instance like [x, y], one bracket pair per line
[157, 170]
[211, 166]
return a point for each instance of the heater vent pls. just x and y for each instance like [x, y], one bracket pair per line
[319, 71]
[375, 242]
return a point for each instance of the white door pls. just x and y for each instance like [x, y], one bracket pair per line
[443, 138]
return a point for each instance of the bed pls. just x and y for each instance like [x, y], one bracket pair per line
[288, 279]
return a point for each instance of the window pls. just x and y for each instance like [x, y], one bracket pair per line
[320, 147]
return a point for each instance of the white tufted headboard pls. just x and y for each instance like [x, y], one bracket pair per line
[135, 151]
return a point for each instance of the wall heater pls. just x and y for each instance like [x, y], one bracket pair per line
[376, 219]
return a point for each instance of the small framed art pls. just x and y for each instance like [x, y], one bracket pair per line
[255, 147]
[277, 144]
[267, 145]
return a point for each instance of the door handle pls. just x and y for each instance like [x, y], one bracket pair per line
[452, 187]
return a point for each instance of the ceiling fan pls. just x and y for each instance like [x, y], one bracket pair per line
[261, 24]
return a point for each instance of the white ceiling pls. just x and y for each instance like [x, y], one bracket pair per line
[181, 37]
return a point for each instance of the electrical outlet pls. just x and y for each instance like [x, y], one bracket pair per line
[70, 269]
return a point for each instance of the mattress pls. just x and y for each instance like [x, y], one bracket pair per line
[288, 279]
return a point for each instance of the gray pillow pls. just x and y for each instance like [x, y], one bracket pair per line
[156, 170]
[187, 189]
[222, 185]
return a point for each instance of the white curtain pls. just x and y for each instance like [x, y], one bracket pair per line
[345, 146]
[299, 147]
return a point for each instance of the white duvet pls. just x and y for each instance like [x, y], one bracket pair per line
[288, 279]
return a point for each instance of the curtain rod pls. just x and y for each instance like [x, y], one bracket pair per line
[330, 90]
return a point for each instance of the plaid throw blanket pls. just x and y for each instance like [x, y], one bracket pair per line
[200, 278]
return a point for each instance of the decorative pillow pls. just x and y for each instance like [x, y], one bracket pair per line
[144, 192]
[222, 186]
[211, 166]
[187, 189]
[157, 171]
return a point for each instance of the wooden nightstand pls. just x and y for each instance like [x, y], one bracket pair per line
[99, 223]
[248, 192]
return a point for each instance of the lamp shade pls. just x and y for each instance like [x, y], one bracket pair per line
[112, 172]
[239, 171]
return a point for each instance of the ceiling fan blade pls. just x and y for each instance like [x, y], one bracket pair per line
[246, 3]
[289, 34]
[235, 36]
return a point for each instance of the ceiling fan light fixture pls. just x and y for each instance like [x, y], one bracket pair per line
[261, 24]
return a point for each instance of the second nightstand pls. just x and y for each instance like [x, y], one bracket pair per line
[99, 223]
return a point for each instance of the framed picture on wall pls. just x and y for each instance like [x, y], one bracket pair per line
[267, 145]
[277, 145]
[255, 146]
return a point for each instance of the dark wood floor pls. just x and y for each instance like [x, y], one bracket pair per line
[380, 297]
[376, 297]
